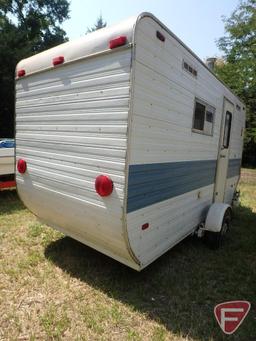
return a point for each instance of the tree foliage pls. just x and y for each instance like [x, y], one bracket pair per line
[26, 27]
[100, 23]
[239, 67]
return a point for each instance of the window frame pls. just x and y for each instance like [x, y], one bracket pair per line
[227, 113]
[208, 107]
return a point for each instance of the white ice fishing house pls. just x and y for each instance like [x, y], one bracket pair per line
[131, 106]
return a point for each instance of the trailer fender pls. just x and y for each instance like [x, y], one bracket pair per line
[215, 217]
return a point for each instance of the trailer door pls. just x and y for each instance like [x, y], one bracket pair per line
[223, 157]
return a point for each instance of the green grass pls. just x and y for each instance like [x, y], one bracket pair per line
[55, 288]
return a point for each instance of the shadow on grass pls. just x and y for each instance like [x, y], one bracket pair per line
[181, 288]
[10, 202]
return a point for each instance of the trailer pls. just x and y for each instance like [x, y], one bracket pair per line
[7, 163]
[127, 142]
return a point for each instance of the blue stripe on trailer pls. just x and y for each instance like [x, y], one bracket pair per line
[234, 166]
[149, 184]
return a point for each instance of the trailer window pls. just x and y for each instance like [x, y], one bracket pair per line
[227, 129]
[199, 116]
[203, 118]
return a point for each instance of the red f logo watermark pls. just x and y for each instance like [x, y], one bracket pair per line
[230, 315]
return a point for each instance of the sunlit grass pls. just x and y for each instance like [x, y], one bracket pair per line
[52, 287]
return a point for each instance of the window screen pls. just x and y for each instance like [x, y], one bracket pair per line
[209, 116]
[227, 129]
[199, 116]
[203, 118]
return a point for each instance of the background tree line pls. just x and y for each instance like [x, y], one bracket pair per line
[26, 28]
[30, 26]
[238, 68]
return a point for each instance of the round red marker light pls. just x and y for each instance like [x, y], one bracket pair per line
[103, 185]
[21, 73]
[21, 166]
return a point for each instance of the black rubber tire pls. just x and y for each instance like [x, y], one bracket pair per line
[215, 239]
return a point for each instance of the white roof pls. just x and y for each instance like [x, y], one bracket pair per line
[90, 44]
[93, 43]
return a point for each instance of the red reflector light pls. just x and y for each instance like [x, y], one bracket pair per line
[160, 36]
[145, 226]
[103, 185]
[21, 73]
[58, 60]
[21, 166]
[117, 42]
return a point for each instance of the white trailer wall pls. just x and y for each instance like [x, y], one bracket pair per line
[172, 169]
[71, 126]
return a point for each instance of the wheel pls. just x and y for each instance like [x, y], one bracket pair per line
[215, 239]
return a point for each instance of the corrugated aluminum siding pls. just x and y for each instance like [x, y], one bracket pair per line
[161, 134]
[71, 126]
[156, 182]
